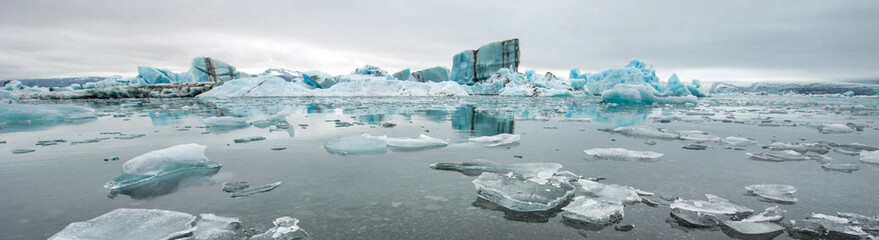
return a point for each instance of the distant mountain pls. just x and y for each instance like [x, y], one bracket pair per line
[54, 82]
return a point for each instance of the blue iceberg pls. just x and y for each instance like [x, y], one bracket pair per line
[161, 172]
[472, 66]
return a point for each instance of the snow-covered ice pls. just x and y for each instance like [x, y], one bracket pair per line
[622, 154]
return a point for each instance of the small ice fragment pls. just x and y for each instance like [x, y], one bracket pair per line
[714, 205]
[225, 122]
[772, 214]
[696, 135]
[773, 192]
[211, 221]
[90, 140]
[497, 140]
[522, 195]
[422, 142]
[124, 223]
[752, 230]
[388, 124]
[832, 128]
[356, 145]
[643, 132]
[250, 139]
[623, 154]
[286, 228]
[694, 147]
[739, 141]
[593, 212]
[693, 219]
[780, 156]
[840, 167]
[279, 148]
[870, 156]
[609, 192]
[820, 148]
[234, 187]
[248, 192]
[20, 151]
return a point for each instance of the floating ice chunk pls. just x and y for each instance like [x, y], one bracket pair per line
[831, 128]
[522, 195]
[870, 156]
[821, 226]
[694, 147]
[226, 122]
[642, 94]
[212, 221]
[870, 224]
[478, 166]
[593, 212]
[234, 187]
[169, 165]
[609, 192]
[772, 214]
[696, 135]
[356, 145]
[643, 132]
[286, 228]
[780, 156]
[124, 223]
[752, 230]
[622, 154]
[250, 139]
[422, 142]
[694, 219]
[773, 192]
[497, 140]
[714, 205]
[852, 148]
[840, 167]
[820, 148]
[261, 189]
[739, 141]
[21, 151]
[30, 114]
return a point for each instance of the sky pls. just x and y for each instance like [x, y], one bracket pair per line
[707, 40]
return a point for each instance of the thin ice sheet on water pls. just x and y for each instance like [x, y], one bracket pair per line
[520, 194]
[478, 166]
[497, 140]
[773, 192]
[622, 154]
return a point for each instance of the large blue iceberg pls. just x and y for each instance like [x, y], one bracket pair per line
[472, 66]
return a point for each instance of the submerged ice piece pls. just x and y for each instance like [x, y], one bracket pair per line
[286, 228]
[592, 213]
[497, 140]
[773, 192]
[478, 166]
[124, 223]
[522, 195]
[622, 154]
[356, 145]
[163, 169]
[226, 122]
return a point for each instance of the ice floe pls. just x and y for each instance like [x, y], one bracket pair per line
[161, 171]
[247, 192]
[478, 166]
[714, 205]
[522, 195]
[286, 228]
[752, 230]
[773, 192]
[609, 192]
[502, 139]
[124, 223]
[593, 213]
[622, 154]
[842, 226]
[831, 128]
[356, 145]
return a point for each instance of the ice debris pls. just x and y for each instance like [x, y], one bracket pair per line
[739, 141]
[831, 128]
[622, 154]
[593, 213]
[714, 205]
[260, 189]
[840, 167]
[609, 192]
[226, 122]
[286, 228]
[234, 187]
[773, 192]
[249, 139]
[522, 195]
[162, 170]
[841, 226]
[502, 139]
[771, 214]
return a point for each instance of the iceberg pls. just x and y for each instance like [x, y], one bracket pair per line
[356, 145]
[593, 213]
[472, 66]
[478, 166]
[124, 223]
[286, 228]
[502, 139]
[161, 171]
[434, 74]
[352, 85]
[642, 94]
[404, 75]
[622, 154]
[773, 192]
[522, 195]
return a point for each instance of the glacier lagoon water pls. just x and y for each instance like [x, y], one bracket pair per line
[396, 195]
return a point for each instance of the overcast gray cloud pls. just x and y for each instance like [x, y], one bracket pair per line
[735, 40]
